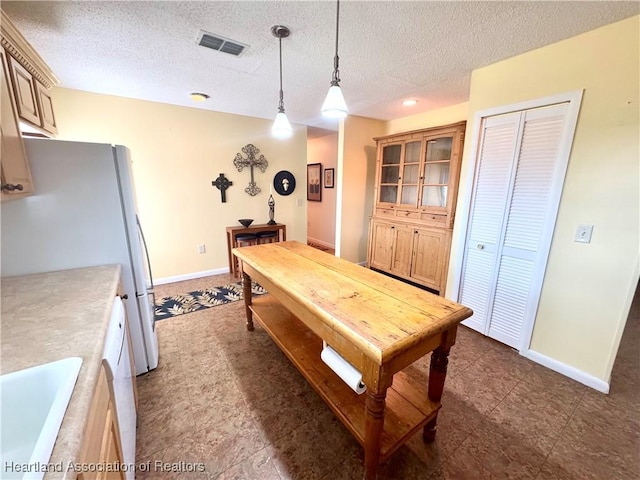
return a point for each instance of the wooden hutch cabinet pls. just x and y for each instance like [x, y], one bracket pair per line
[417, 176]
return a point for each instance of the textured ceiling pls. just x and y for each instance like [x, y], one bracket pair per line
[389, 51]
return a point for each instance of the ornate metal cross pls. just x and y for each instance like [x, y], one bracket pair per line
[252, 160]
[222, 184]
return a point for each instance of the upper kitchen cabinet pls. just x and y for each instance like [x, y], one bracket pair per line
[15, 173]
[417, 174]
[26, 108]
[30, 79]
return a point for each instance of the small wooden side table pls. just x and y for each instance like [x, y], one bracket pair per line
[235, 230]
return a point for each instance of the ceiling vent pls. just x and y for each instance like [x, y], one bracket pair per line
[221, 44]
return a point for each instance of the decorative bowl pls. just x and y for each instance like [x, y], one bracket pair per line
[245, 222]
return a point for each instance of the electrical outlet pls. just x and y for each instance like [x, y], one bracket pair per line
[583, 233]
[202, 248]
[299, 202]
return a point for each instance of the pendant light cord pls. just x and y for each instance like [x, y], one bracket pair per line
[336, 72]
[281, 103]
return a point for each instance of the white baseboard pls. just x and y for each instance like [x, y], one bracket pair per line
[320, 242]
[568, 371]
[190, 276]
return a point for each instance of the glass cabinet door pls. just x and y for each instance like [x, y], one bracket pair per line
[435, 176]
[390, 172]
[410, 174]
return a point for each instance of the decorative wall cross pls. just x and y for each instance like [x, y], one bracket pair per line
[222, 184]
[252, 160]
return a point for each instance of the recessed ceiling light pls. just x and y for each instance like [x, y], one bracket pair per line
[409, 103]
[198, 97]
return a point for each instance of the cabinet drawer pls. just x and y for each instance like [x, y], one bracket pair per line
[433, 219]
[398, 213]
[407, 214]
[385, 212]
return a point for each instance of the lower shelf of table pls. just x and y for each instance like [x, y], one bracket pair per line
[408, 406]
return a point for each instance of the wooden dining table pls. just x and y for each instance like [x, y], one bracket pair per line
[379, 325]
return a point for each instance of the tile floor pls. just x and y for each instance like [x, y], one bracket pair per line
[230, 400]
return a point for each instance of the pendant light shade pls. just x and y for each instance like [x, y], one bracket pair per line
[281, 127]
[334, 105]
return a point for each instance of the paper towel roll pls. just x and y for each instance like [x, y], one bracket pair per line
[346, 371]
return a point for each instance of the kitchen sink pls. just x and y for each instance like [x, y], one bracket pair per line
[33, 402]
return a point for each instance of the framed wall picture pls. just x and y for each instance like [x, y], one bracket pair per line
[328, 177]
[314, 182]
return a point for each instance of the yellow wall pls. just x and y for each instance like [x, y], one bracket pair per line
[355, 176]
[321, 216]
[177, 152]
[585, 296]
[433, 118]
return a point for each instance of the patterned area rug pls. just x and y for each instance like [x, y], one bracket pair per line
[168, 307]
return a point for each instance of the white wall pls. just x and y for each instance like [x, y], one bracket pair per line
[321, 216]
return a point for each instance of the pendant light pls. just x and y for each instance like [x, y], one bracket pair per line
[281, 127]
[334, 105]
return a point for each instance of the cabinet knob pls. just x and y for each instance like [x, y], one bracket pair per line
[392, 227]
[480, 246]
[10, 187]
[124, 297]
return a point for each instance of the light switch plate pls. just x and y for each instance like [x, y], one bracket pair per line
[583, 233]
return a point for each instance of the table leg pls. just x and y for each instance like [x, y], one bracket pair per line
[246, 292]
[437, 376]
[234, 259]
[232, 269]
[374, 422]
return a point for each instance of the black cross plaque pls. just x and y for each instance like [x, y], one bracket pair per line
[222, 184]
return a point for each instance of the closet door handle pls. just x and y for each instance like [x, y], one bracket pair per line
[480, 246]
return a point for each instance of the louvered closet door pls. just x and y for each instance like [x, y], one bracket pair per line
[510, 212]
[491, 191]
[526, 219]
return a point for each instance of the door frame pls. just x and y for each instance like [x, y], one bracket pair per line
[574, 100]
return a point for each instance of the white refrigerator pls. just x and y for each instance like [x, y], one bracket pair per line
[83, 213]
